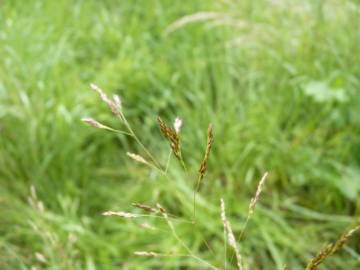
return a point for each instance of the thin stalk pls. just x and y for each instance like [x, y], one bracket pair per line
[184, 245]
[127, 125]
[196, 188]
[168, 161]
[190, 256]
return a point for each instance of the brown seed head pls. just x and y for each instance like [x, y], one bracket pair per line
[203, 164]
[172, 136]
[331, 249]
[145, 207]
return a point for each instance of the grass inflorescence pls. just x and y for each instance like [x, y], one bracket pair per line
[172, 134]
[277, 79]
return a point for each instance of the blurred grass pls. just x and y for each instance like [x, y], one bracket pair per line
[278, 79]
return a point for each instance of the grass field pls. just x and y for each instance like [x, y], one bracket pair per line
[279, 81]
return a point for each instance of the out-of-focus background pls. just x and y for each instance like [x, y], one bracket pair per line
[278, 79]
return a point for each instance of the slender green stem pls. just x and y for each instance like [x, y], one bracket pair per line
[184, 245]
[196, 188]
[168, 161]
[190, 256]
[131, 131]
[157, 166]
[242, 232]
[118, 131]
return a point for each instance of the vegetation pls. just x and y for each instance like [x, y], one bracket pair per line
[277, 79]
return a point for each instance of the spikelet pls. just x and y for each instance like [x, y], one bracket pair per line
[114, 104]
[92, 122]
[255, 199]
[137, 158]
[145, 207]
[40, 257]
[165, 216]
[147, 226]
[203, 165]
[161, 209]
[120, 214]
[331, 249]
[117, 101]
[177, 124]
[345, 238]
[172, 136]
[230, 234]
[34, 201]
[146, 253]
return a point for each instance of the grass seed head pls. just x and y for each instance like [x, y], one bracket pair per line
[230, 235]
[114, 104]
[146, 253]
[161, 209]
[345, 238]
[145, 207]
[147, 226]
[172, 136]
[120, 214]
[92, 122]
[34, 201]
[40, 257]
[331, 249]
[203, 164]
[255, 199]
[137, 158]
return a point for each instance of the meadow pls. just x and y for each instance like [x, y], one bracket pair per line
[278, 80]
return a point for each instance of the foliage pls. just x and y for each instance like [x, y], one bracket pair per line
[253, 69]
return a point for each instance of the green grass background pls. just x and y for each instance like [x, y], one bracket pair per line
[278, 79]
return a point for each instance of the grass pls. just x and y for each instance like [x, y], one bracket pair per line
[278, 80]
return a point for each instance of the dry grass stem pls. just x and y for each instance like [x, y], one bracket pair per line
[230, 235]
[330, 249]
[120, 214]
